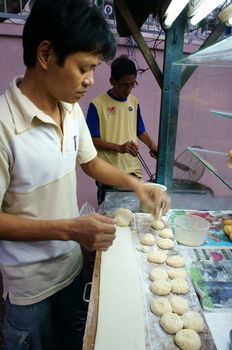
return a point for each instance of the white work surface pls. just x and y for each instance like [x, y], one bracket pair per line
[220, 324]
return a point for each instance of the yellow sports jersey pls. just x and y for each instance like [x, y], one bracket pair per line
[118, 124]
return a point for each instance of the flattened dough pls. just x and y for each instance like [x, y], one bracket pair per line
[118, 328]
[161, 287]
[171, 322]
[158, 274]
[180, 286]
[157, 224]
[123, 217]
[193, 320]
[179, 304]
[188, 339]
[177, 273]
[166, 233]
[165, 243]
[160, 305]
[157, 256]
[147, 239]
[175, 261]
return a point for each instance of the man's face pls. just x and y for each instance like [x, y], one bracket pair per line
[123, 86]
[71, 81]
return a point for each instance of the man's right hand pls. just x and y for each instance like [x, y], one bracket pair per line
[129, 147]
[94, 231]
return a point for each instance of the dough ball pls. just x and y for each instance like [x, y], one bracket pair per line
[187, 339]
[157, 224]
[166, 233]
[123, 217]
[177, 273]
[158, 257]
[148, 239]
[179, 304]
[161, 287]
[180, 286]
[175, 261]
[160, 305]
[171, 322]
[143, 249]
[165, 243]
[193, 320]
[158, 274]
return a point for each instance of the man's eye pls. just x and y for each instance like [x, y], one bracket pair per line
[82, 71]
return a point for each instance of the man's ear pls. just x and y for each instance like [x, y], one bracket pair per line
[112, 81]
[44, 53]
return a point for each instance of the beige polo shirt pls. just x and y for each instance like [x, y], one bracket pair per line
[38, 181]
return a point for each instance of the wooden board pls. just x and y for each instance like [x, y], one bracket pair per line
[91, 323]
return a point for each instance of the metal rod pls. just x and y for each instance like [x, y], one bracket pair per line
[145, 166]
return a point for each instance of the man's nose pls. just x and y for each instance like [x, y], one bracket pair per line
[89, 80]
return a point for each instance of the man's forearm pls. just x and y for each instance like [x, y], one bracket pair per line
[16, 228]
[109, 174]
[108, 146]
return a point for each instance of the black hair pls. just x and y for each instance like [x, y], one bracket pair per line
[121, 66]
[70, 26]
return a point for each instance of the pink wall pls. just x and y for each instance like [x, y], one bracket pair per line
[208, 88]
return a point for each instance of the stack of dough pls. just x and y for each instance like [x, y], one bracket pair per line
[123, 217]
[228, 228]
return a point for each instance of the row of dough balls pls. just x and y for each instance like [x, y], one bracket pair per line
[184, 327]
[164, 243]
[175, 317]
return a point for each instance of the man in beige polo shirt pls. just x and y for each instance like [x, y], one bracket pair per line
[43, 135]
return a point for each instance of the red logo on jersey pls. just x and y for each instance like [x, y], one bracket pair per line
[111, 109]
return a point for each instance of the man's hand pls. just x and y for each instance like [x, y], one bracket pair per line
[153, 150]
[94, 231]
[129, 147]
[153, 198]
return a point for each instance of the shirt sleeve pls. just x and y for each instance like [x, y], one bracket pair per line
[140, 124]
[92, 121]
[86, 149]
[4, 174]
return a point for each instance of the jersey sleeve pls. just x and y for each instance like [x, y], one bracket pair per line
[92, 121]
[140, 124]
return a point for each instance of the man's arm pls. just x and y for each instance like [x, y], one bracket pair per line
[110, 175]
[127, 147]
[145, 138]
[94, 232]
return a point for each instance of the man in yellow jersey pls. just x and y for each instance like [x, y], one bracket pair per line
[115, 122]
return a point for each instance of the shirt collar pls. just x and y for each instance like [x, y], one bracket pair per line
[24, 110]
[121, 99]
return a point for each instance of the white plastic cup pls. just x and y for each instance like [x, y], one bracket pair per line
[162, 187]
[191, 230]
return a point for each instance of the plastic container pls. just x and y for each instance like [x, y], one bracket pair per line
[162, 187]
[191, 230]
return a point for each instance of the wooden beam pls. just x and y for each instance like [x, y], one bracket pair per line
[129, 20]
